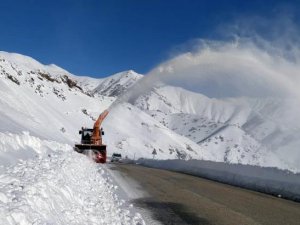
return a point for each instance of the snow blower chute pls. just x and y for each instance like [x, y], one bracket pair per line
[91, 140]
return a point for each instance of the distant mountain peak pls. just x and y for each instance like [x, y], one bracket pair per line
[118, 83]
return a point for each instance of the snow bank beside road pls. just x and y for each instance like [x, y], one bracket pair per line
[273, 181]
[65, 188]
[25, 146]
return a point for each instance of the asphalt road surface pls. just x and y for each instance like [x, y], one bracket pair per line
[177, 198]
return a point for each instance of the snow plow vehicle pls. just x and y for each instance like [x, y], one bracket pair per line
[91, 141]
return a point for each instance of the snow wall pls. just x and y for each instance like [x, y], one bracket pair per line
[280, 183]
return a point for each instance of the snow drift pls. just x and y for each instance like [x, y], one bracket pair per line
[55, 190]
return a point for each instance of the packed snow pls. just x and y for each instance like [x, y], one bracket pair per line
[15, 147]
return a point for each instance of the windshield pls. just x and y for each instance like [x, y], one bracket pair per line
[87, 133]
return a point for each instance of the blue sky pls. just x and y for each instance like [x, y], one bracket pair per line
[99, 38]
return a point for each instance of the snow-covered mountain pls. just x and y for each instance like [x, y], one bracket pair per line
[42, 107]
[43, 99]
[234, 130]
[50, 103]
[117, 84]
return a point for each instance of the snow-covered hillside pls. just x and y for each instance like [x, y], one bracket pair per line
[42, 107]
[41, 110]
[52, 104]
[44, 100]
[136, 134]
[234, 130]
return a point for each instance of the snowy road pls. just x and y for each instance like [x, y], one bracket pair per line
[175, 198]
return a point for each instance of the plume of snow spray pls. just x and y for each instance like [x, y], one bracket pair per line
[225, 69]
[141, 87]
[261, 60]
[251, 67]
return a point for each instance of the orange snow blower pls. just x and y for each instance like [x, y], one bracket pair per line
[91, 140]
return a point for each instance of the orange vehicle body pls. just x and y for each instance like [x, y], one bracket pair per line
[91, 141]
